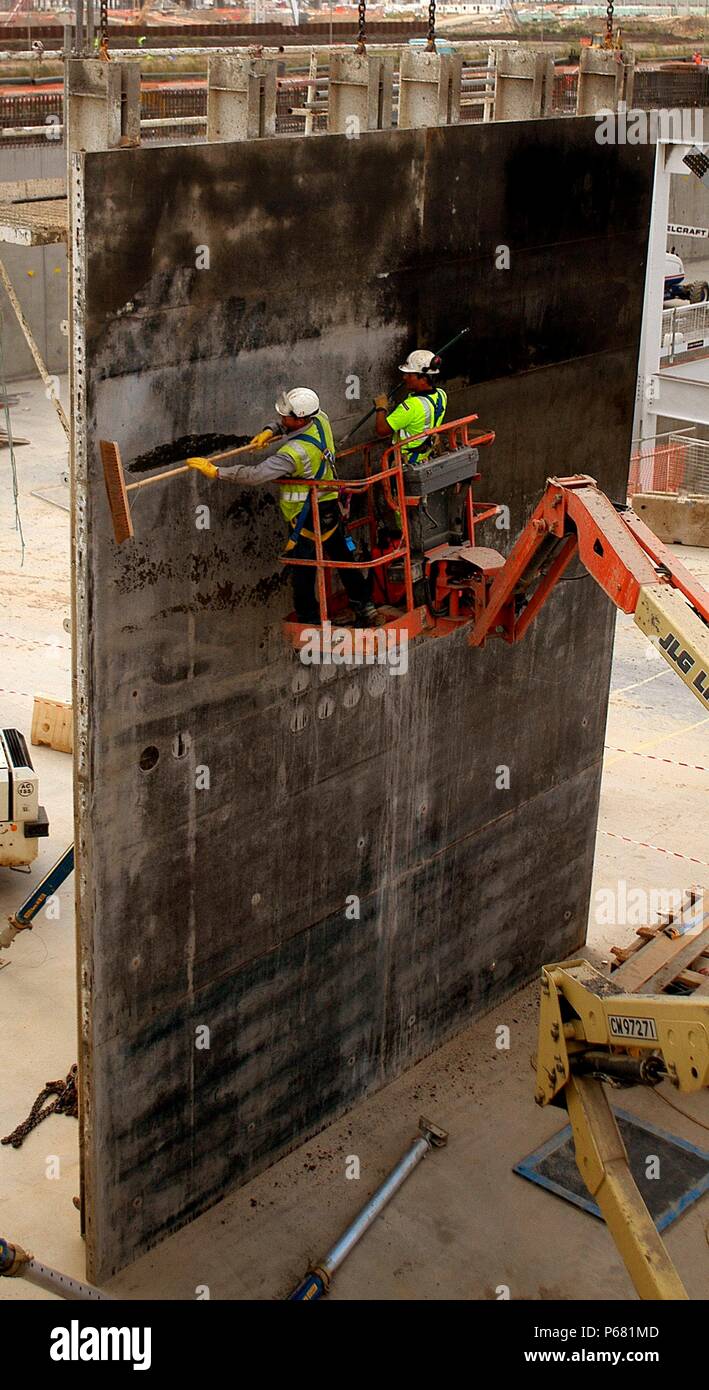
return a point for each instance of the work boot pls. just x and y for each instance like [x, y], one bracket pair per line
[365, 615]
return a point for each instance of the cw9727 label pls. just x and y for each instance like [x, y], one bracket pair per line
[622, 1026]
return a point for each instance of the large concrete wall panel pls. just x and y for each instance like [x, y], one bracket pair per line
[39, 278]
[38, 273]
[227, 907]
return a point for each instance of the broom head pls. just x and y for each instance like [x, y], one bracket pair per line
[116, 491]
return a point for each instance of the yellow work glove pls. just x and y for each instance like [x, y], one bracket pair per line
[381, 402]
[210, 470]
[264, 437]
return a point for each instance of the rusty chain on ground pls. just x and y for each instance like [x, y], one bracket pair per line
[66, 1103]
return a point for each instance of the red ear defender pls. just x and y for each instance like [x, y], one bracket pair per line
[436, 363]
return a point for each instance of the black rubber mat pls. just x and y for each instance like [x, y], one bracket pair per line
[681, 1170]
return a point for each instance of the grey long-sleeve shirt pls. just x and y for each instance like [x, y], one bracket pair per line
[275, 466]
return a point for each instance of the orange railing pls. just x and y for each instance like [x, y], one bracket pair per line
[658, 468]
[391, 469]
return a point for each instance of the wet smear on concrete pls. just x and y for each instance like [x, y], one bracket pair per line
[141, 570]
[187, 446]
[249, 503]
[229, 597]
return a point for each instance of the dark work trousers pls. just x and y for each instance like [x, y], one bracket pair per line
[356, 586]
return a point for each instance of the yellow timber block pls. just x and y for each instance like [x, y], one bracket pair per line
[52, 724]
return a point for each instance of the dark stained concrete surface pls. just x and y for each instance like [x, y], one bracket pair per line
[226, 907]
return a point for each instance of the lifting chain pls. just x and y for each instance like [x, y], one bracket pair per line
[609, 43]
[431, 34]
[361, 27]
[66, 1103]
[103, 29]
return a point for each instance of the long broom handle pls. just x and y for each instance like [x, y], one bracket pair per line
[184, 468]
[229, 453]
[169, 473]
[400, 387]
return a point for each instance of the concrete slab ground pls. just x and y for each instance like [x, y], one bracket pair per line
[464, 1226]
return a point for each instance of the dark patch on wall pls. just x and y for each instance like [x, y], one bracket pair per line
[226, 907]
[187, 446]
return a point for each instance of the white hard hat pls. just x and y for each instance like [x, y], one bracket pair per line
[420, 363]
[301, 401]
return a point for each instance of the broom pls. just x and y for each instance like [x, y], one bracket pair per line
[117, 488]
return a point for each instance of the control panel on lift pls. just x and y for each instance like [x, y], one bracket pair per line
[440, 484]
[441, 471]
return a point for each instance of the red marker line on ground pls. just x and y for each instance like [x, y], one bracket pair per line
[645, 844]
[673, 762]
[33, 642]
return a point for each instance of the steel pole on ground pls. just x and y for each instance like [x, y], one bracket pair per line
[15, 1263]
[21, 920]
[317, 1281]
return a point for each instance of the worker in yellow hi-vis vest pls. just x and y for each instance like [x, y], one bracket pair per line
[307, 451]
[423, 407]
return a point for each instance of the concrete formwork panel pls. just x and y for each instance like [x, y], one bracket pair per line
[241, 97]
[429, 88]
[606, 76]
[524, 84]
[226, 907]
[360, 93]
[104, 103]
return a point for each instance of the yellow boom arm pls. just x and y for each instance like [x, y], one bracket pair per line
[591, 1031]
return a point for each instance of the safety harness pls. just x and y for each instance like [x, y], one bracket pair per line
[438, 405]
[327, 457]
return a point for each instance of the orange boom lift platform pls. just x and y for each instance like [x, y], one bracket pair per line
[445, 580]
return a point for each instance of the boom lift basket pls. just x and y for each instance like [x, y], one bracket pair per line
[405, 488]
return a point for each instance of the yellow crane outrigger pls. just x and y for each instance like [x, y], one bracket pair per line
[591, 1031]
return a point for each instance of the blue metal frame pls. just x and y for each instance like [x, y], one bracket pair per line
[35, 901]
[527, 1169]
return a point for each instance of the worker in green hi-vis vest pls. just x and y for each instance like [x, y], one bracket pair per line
[423, 407]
